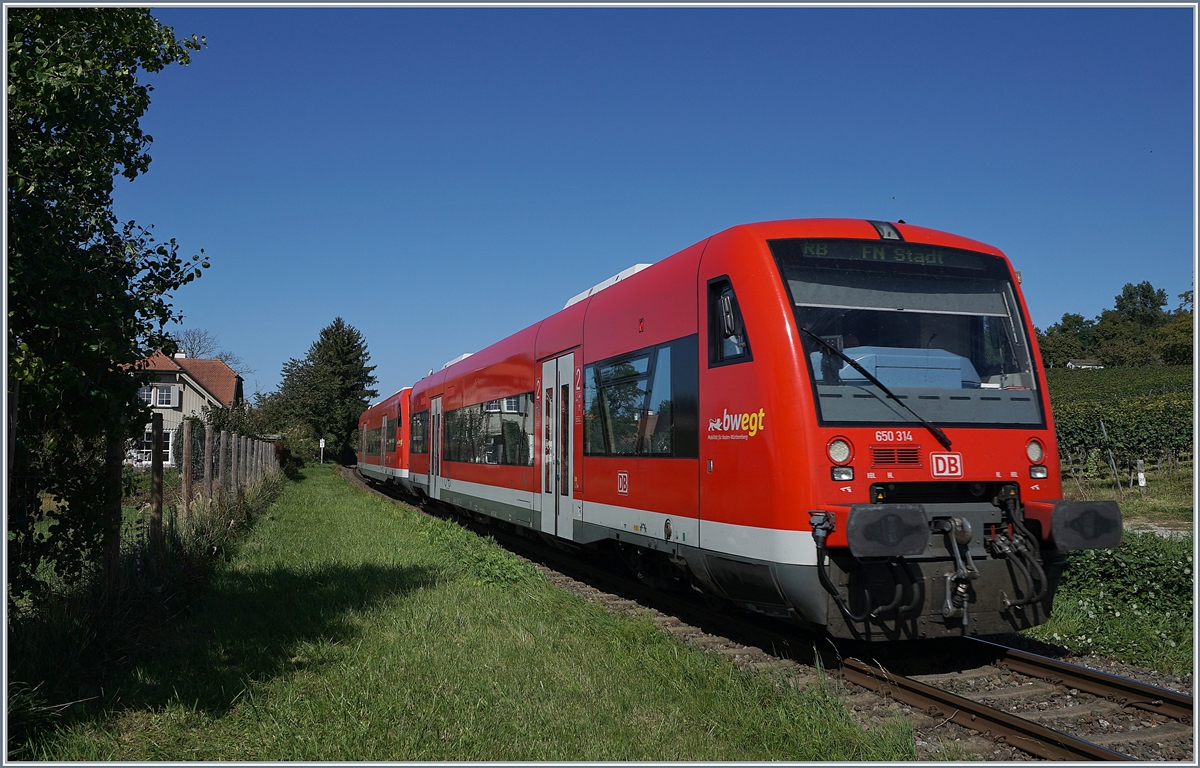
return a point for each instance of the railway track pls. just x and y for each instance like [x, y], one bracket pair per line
[990, 701]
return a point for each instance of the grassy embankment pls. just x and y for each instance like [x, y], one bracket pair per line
[1134, 604]
[351, 628]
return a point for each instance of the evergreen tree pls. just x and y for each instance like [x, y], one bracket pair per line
[328, 390]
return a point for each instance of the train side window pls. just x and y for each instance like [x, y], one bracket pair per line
[643, 403]
[419, 432]
[727, 339]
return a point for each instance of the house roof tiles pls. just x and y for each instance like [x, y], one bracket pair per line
[214, 375]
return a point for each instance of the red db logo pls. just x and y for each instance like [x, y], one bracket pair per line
[623, 483]
[946, 464]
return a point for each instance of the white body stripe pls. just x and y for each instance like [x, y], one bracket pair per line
[485, 492]
[769, 544]
[389, 471]
[652, 524]
[790, 547]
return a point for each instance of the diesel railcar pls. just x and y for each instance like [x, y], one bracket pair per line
[840, 422]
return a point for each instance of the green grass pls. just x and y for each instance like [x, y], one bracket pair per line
[1133, 604]
[351, 628]
[1168, 496]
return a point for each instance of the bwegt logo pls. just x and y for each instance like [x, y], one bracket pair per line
[738, 422]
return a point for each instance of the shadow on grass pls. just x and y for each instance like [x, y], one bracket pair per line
[253, 625]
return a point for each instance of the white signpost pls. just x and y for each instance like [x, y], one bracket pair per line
[322, 450]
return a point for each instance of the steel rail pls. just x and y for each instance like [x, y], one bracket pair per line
[1122, 691]
[1023, 734]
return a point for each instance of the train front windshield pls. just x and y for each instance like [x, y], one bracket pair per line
[939, 327]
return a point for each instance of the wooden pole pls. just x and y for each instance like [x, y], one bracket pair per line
[114, 458]
[208, 461]
[156, 481]
[237, 469]
[222, 466]
[187, 467]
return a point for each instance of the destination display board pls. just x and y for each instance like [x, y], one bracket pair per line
[869, 252]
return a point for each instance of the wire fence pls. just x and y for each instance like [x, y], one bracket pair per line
[210, 470]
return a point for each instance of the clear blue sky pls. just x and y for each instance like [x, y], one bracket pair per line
[441, 178]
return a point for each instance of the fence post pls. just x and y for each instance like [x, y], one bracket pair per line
[1112, 463]
[208, 461]
[1141, 474]
[187, 468]
[114, 458]
[222, 464]
[237, 466]
[156, 481]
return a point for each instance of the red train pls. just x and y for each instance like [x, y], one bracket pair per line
[837, 421]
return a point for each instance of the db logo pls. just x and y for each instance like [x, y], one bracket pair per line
[947, 464]
[623, 483]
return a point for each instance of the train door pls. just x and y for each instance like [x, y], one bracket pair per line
[383, 443]
[558, 470]
[435, 446]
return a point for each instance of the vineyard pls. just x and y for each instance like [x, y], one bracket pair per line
[1106, 420]
[1115, 384]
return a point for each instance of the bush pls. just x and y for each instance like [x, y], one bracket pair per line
[1133, 603]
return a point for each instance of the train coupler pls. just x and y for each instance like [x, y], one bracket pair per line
[958, 583]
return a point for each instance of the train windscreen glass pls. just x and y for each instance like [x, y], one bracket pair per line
[939, 327]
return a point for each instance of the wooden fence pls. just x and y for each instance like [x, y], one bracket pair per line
[214, 466]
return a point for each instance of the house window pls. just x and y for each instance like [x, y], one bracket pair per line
[145, 446]
[164, 397]
[146, 395]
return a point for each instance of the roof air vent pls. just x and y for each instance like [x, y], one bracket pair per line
[604, 284]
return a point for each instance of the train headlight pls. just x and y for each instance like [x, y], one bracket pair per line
[839, 451]
[1035, 452]
[842, 473]
[1038, 473]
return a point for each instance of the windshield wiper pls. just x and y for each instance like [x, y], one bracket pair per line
[939, 434]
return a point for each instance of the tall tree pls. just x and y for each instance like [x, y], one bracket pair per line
[328, 390]
[1174, 339]
[1136, 332]
[1142, 304]
[88, 295]
[1065, 340]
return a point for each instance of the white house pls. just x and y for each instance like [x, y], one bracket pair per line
[180, 387]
